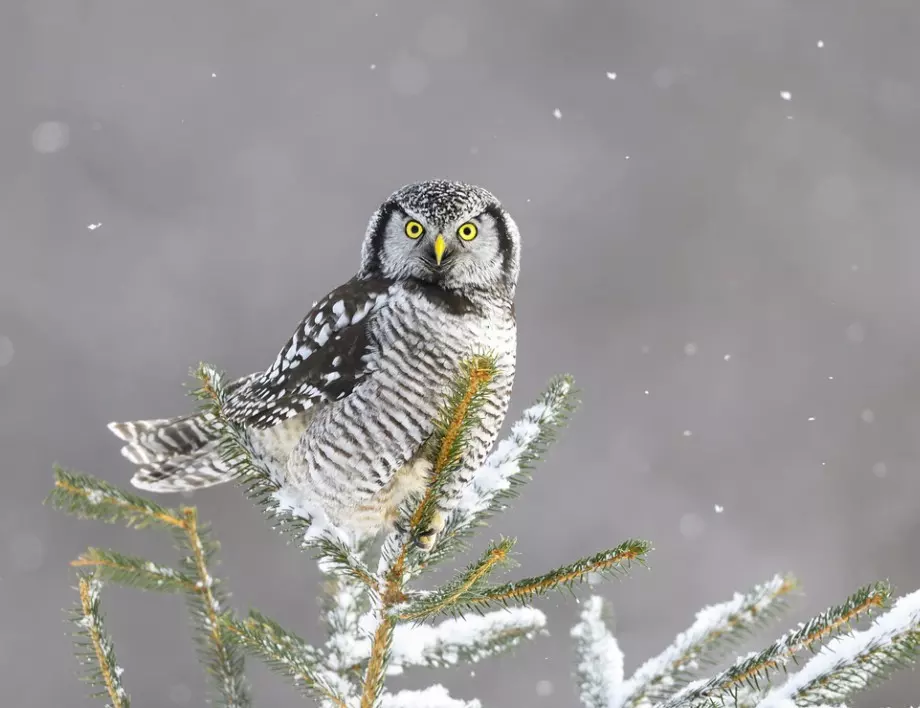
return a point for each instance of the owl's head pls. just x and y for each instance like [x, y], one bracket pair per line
[454, 235]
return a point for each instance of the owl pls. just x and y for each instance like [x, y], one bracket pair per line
[342, 415]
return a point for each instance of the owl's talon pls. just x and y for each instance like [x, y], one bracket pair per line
[426, 539]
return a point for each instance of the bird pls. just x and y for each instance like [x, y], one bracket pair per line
[342, 416]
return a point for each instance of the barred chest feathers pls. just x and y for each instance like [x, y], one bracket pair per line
[415, 344]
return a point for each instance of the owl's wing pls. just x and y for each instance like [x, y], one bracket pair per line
[322, 361]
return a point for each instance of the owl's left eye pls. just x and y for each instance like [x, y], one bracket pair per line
[467, 231]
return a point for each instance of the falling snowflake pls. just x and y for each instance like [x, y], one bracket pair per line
[93, 227]
[612, 75]
[719, 508]
[690, 349]
[786, 96]
[820, 44]
[688, 433]
[811, 419]
[727, 357]
[557, 114]
[213, 76]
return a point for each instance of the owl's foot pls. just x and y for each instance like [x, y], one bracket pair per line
[425, 540]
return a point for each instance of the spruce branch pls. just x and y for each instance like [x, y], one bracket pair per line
[337, 559]
[609, 563]
[455, 595]
[91, 498]
[662, 675]
[94, 647]
[459, 415]
[759, 666]
[856, 662]
[288, 654]
[599, 665]
[220, 656]
[134, 572]
[508, 467]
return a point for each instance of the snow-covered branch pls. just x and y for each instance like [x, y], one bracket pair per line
[599, 663]
[848, 664]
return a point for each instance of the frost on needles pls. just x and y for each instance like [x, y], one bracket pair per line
[380, 624]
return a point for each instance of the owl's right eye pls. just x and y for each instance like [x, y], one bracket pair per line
[414, 229]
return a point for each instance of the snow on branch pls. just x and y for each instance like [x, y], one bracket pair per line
[855, 662]
[846, 663]
[662, 675]
[468, 640]
[435, 696]
[599, 664]
[760, 666]
[506, 465]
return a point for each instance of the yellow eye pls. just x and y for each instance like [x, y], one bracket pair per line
[468, 231]
[414, 229]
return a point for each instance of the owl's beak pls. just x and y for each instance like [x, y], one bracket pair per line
[439, 246]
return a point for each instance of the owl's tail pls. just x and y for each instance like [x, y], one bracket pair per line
[173, 454]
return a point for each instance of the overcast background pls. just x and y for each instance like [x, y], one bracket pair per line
[731, 272]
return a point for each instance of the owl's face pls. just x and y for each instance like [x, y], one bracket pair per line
[450, 234]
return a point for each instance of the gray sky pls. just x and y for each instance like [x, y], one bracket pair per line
[731, 276]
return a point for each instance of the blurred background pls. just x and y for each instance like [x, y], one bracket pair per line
[719, 204]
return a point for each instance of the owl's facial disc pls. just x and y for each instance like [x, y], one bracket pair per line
[450, 234]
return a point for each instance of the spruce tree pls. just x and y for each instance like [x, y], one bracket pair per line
[379, 623]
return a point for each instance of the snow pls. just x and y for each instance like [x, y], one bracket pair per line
[820, 44]
[93, 227]
[50, 137]
[557, 114]
[786, 96]
[504, 462]
[682, 655]
[469, 637]
[432, 697]
[847, 652]
[293, 501]
[612, 75]
[600, 659]
[719, 508]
